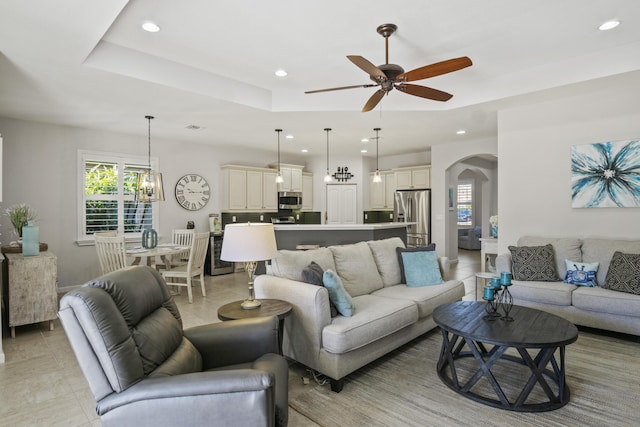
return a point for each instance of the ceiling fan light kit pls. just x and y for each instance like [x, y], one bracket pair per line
[392, 76]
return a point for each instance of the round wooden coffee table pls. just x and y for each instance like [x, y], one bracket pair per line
[465, 361]
[269, 307]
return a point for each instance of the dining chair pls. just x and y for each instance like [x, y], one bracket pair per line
[193, 268]
[111, 252]
[181, 237]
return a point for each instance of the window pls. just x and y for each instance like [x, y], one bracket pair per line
[107, 185]
[465, 204]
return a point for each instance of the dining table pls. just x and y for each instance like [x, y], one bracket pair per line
[163, 250]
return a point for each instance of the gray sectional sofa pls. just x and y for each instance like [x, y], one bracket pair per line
[596, 307]
[387, 313]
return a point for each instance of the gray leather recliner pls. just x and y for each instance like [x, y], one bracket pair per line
[145, 370]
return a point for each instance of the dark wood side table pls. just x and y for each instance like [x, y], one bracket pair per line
[270, 307]
[466, 356]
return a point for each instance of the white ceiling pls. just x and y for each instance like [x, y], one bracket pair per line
[88, 64]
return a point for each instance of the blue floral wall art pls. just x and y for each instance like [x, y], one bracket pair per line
[606, 174]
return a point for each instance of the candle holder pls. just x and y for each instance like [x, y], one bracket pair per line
[506, 303]
[491, 305]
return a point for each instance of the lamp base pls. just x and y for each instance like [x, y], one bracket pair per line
[250, 304]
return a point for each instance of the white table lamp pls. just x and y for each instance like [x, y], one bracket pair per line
[249, 243]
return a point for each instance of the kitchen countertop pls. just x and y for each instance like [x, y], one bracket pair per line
[324, 227]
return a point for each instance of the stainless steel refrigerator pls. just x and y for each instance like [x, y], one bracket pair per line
[414, 206]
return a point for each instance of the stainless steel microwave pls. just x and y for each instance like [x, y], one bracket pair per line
[289, 200]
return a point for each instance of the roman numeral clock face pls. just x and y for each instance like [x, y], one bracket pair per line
[192, 192]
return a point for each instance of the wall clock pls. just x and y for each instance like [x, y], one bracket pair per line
[192, 192]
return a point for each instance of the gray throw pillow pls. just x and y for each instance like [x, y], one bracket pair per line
[624, 273]
[312, 274]
[400, 251]
[534, 263]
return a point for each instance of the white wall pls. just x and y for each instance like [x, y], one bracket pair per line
[535, 174]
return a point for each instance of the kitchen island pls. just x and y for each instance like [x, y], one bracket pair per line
[291, 236]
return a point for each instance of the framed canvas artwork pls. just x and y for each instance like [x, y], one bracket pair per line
[606, 174]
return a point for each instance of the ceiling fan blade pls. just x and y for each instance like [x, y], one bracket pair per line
[373, 101]
[339, 88]
[436, 69]
[424, 92]
[367, 66]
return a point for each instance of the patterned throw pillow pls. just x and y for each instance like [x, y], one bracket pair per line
[534, 263]
[624, 273]
[581, 273]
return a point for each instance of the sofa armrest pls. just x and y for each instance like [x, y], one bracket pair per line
[213, 392]
[243, 340]
[311, 313]
[503, 263]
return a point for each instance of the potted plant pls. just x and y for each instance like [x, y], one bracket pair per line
[20, 215]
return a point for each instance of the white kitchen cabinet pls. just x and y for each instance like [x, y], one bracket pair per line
[415, 177]
[296, 179]
[254, 190]
[269, 191]
[236, 189]
[291, 177]
[381, 195]
[307, 191]
[249, 189]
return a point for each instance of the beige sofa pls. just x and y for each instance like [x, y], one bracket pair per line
[387, 313]
[594, 307]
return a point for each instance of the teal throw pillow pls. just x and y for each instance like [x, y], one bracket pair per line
[337, 294]
[581, 273]
[421, 268]
[400, 251]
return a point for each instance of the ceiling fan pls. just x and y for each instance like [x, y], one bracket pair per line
[390, 76]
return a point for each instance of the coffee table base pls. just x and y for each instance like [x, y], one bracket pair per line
[452, 346]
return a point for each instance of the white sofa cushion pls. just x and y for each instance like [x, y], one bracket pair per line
[556, 293]
[357, 269]
[289, 264]
[426, 297]
[601, 250]
[607, 301]
[384, 254]
[563, 248]
[374, 318]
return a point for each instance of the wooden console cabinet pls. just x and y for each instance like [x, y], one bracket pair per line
[32, 289]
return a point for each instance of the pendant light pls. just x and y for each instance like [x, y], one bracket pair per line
[376, 177]
[279, 179]
[327, 175]
[149, 186]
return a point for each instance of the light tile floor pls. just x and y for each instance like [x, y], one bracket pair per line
[41, 383]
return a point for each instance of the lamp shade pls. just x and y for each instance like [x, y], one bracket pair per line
[248, 242]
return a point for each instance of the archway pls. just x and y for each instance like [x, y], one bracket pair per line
[478, 173]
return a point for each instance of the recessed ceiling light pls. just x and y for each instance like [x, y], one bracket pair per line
[281, 73]
[609, 25]
[364, 140]
[289, 136]
[363, 151]
[461, 132]
[150, 27]
[304, 150]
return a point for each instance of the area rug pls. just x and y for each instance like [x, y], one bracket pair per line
[403, 389]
